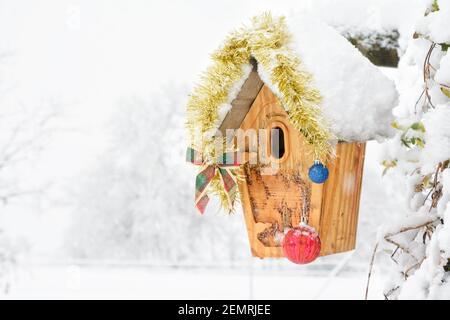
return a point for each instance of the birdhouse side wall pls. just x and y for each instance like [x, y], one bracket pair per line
[340, 199]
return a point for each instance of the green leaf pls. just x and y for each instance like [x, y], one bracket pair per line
[396, 125]
[435, 6]
[418, 126]
[445, 46]
[446, 91]
[426, 180]
[419, 142]
[388, 164]
[406, 143]
[447, 266]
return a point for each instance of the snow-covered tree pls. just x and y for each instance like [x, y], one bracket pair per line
[136, 203]
[417, 165]
[24, 131]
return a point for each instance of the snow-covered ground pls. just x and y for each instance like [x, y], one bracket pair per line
[96, 282]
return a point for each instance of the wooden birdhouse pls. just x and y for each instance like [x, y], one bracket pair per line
[313, 98]
[273, 202]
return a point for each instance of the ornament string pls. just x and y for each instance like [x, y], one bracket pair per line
[302, 244]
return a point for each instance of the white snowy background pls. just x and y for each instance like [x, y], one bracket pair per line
[96, 200]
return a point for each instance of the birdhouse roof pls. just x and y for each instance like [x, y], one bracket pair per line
[328, 88]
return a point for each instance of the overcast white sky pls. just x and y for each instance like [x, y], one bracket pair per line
[96, 50]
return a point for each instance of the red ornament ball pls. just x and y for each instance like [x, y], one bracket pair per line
[301, 245]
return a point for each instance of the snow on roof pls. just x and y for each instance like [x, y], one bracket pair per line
[367, 15]
[328, 88]
[357, 97]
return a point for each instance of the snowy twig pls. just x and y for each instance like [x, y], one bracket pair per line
[391, 291]
[409, 228]
[418, 100]
[435, 182]
[418, 264]
[393, 254]
[427, 73]
[426, 76]
[398, 245]
[369, 275]
[387, 237]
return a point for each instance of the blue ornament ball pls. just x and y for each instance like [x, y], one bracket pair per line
[318, 173]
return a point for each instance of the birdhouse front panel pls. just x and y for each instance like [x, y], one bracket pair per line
[274, 195]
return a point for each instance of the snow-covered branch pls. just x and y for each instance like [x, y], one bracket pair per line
[417, 162]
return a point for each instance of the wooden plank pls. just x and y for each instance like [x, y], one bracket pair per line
[273, 202]
[315, 214]
[341, 195]
[242, 103]
[254, 228]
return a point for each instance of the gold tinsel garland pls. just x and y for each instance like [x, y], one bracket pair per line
[266, 40]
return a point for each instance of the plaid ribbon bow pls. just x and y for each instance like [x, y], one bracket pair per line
[208, 172]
